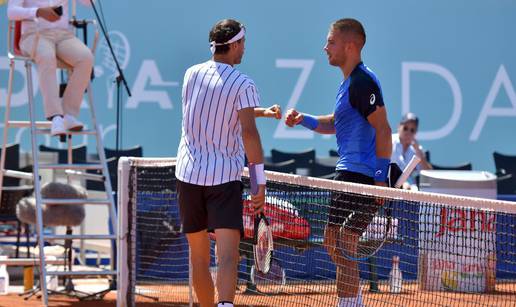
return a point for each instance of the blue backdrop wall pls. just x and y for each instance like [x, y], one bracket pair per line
[451, 62]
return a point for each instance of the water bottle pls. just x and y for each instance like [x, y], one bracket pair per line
[395, 277]
[52, 283]
[53, 280]
[4, 278]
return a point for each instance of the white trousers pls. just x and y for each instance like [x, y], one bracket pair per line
[60, 44]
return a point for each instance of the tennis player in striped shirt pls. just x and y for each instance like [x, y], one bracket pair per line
[219, 109]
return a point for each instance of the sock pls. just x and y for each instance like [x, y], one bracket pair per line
[52, 117]
[360, 303]
[350, 301]
[225, 304]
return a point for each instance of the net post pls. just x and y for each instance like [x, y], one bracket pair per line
[123, 201]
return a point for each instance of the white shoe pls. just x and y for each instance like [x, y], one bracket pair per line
[58, 127]
[71, 123]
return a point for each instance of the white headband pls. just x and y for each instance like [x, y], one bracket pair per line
[235, 38]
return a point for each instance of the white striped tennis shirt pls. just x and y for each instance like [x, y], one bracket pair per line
[211, 151]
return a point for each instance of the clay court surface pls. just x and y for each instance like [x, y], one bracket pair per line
[305, 295]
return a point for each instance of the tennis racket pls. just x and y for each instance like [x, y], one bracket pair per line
[382, 226]
[263, 246]
[272, 281]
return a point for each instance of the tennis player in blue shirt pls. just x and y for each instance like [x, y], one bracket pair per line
[364, 146]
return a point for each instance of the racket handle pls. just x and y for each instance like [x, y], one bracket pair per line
[407, 171]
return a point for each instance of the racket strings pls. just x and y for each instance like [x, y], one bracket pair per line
[264, 247]
[372, 239]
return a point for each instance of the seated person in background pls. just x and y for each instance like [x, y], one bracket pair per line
[56, 40]
[405, 146]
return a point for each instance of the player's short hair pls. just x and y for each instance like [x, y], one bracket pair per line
[222, 32]
[351, 27]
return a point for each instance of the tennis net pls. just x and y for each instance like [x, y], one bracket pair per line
[448, 250]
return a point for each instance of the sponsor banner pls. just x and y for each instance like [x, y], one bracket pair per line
[457, 249]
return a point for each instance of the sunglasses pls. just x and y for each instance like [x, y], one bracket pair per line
[411, 130]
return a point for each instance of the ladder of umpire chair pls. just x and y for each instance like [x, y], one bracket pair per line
[71, 169]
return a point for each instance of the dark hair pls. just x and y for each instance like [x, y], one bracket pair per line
[353, 27]
[223, 31]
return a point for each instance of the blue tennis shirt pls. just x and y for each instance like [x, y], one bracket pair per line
[359, 96]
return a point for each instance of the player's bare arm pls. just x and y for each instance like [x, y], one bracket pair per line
[378, 119]
[273, 111]
[324, 124]
[253, 150]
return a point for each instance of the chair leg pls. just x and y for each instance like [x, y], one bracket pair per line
[18, 232]
[27, 237]
[68, 247]
[69, 287]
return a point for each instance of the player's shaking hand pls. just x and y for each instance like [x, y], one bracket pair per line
[293, 118]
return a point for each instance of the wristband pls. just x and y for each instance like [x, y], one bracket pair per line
[257, 171]
[309, 121]
[260, 174]
[382, 168]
